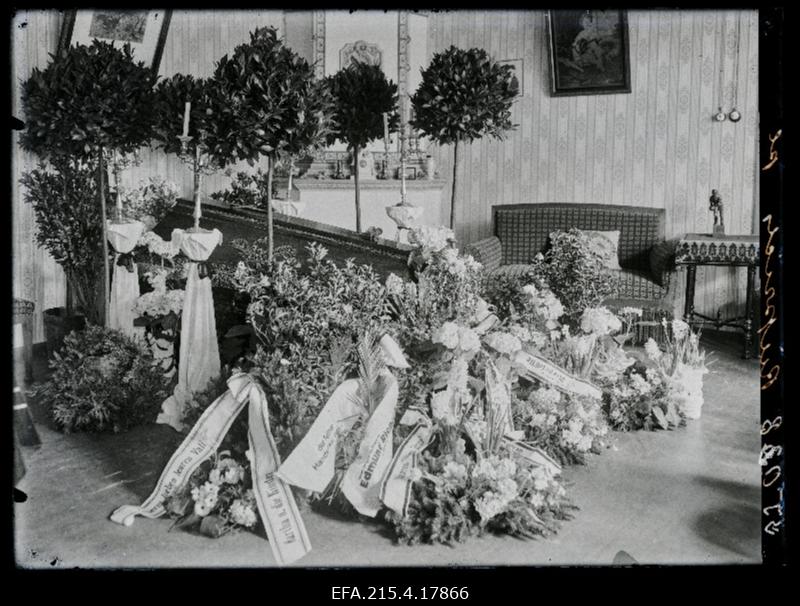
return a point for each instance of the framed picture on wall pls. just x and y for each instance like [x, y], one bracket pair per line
[144, 30]
[589, 52]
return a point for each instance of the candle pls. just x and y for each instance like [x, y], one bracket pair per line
[386, 128]
[186, 111]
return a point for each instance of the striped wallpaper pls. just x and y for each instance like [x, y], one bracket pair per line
[656, 146]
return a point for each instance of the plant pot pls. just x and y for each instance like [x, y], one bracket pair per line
[686, 390]
[57, 325]
[404, 215]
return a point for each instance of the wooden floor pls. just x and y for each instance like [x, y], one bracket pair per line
[680, 497]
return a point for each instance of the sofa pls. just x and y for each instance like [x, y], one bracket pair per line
[521, 231]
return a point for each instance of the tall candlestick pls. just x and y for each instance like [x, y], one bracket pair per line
[198, 180]
[186, 110]
[116, 184]
[403, 165]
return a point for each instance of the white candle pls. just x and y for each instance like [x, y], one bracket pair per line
[386, 128]
[186, 111]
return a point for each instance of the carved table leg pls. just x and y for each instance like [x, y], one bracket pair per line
[688, 308]
[748, 322]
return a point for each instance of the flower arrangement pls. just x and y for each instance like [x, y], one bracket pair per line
[103, 380]
[683, 364]
[160, 301]
[217, 499]
[150, 201]
[575, 271]
[307, 319]
[566, 427]
[447, 287]
[454, 497]
[639, 399]
[157, 246]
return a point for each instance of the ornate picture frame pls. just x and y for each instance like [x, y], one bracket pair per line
[589, 52]
[145, 30]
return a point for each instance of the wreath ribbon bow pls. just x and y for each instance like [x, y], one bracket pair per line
[312, 464]
[126, 260]
[286, 532]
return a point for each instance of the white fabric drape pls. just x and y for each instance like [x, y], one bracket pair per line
[124, 283]
[198, 357]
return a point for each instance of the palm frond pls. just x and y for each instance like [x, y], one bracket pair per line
[370, 364]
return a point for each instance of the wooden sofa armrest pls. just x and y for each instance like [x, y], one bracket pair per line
[488, 252]
[662, 262]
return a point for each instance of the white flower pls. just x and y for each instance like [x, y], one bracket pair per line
[545, 397]
[458, 375]
[243, 514]
[468, 340]
[536, 499]
[449, 255]
[537, 420]
[205, 498]
[489, 505]
[583, 345]
[508, 488]
[454, 473]
[679, 328]
[441, 407]
[394, 284]
[599, 321]
[541, 478]
[530, 290]
[631, 311]
[640, 384]
[447, 335]
[522, 333]
[503, 342]
[431, 239]
[652, 349]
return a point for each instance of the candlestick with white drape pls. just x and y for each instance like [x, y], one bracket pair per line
[198, 358]
[123, 238]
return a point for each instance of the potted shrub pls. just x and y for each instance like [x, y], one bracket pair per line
[64, 200]
[363, 95]
[270, 105]
[464, 95]
[89, 101]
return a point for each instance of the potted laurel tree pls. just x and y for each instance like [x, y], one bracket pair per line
[312, 127]
[64, 199]
[201, 129]
[464, 95]
[89, 101]
[270, 96]
[363, 95]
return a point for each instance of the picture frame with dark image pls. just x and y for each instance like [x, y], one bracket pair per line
[145, 31]
[589, 52]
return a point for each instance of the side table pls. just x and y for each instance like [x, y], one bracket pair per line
[727, 251]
